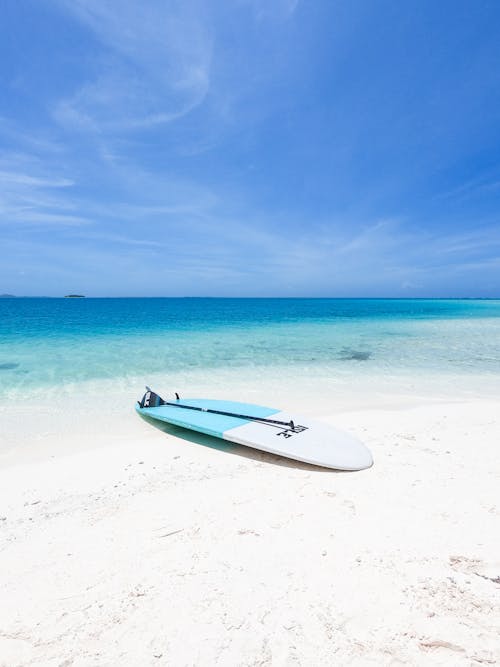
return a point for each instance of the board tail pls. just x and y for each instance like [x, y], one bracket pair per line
[151, 400]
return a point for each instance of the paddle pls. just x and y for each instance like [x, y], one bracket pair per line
[150, 397]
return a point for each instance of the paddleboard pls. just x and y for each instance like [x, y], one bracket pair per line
[268, 429]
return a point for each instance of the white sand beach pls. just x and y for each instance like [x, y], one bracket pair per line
[148, 549]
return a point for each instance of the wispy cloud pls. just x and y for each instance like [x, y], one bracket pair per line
[276, 9]
[154, 65]
[28, 139]
[32, 192]
[475, 187]
[105, 237]
[17, 178]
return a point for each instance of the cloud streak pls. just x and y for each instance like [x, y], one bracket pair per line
[154, 64]
[33, 193]
[17, 178]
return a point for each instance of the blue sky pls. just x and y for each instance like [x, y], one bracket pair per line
[250, 148]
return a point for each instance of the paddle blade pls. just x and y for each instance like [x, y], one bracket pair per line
[151, 400]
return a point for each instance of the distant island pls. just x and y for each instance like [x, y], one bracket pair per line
[74, 296]
[7, 296]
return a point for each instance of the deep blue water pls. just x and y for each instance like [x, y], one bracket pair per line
[39, 317]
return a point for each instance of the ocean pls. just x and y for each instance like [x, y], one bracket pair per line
[72, 369]
[50, 342]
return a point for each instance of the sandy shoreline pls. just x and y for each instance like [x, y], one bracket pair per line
[159, 551]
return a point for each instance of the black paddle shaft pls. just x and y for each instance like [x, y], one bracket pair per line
[277, 422]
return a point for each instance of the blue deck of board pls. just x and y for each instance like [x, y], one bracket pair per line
[205, 422]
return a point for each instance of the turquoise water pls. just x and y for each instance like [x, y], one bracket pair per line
[53, 342]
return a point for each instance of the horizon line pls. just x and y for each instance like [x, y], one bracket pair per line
[345, 298]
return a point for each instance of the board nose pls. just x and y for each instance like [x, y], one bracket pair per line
[360, 457]
[366, 458]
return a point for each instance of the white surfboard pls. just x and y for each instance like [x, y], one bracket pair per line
[268, 429]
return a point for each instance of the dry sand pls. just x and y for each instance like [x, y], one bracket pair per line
[156, 550]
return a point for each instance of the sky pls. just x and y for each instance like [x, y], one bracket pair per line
[342, 148]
